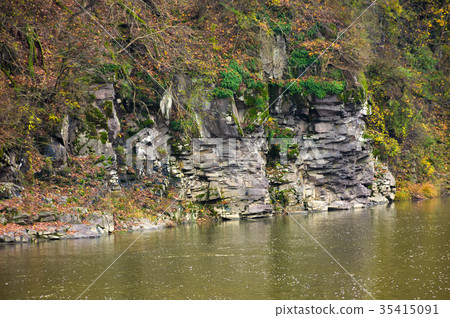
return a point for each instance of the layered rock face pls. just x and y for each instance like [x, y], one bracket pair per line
[229, 173]
[222, 168]
[334, 169]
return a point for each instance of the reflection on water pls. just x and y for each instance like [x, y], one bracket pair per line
[396, 252]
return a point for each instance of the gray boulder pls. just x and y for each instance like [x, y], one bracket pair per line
[103, 223]
[69, 218]
[47, 217]
[9, 190]
[22, 219]
[57, 153]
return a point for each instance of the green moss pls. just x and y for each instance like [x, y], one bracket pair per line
[354, 95]
[147, 123]
[31, 54]
[95, 119]
[238, 124]
[120, 150]
[103, 137]
[255, 101]
[94, 115]
[363, 81]
[108, 108]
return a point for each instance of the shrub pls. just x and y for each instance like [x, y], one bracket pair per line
[95, 116]
[252, 65]
[402, 195]
[220, 92]
[429, 190]
[231, 79]
[415, 191]
[238, 68]
[300, 58]
[316, 87]
[108, 108]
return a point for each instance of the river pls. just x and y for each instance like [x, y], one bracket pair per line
[397, 252]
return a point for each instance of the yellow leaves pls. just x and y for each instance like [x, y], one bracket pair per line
[274, 2]
[33, 121]
[264, 26]
[440, 22]
[72, 104]
[213, 27]
[54, 118]
[428, 166]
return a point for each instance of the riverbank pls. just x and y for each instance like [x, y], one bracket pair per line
[47, 226]
[79, 205]
[82, 224]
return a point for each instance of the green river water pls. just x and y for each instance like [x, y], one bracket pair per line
[396, 252]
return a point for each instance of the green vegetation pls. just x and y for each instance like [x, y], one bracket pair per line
[316, 87]
[103, 137]
[231, 80]
[220, 92]
[280, 198]
[301, 59]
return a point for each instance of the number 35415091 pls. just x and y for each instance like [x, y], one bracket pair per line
[408, 309]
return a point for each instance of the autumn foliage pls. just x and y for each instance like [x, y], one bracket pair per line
[52, 51]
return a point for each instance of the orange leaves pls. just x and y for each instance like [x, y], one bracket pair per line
[11, 228]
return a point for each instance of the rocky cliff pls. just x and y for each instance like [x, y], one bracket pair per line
[298, 153]
[326, 163]
[245, 148]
